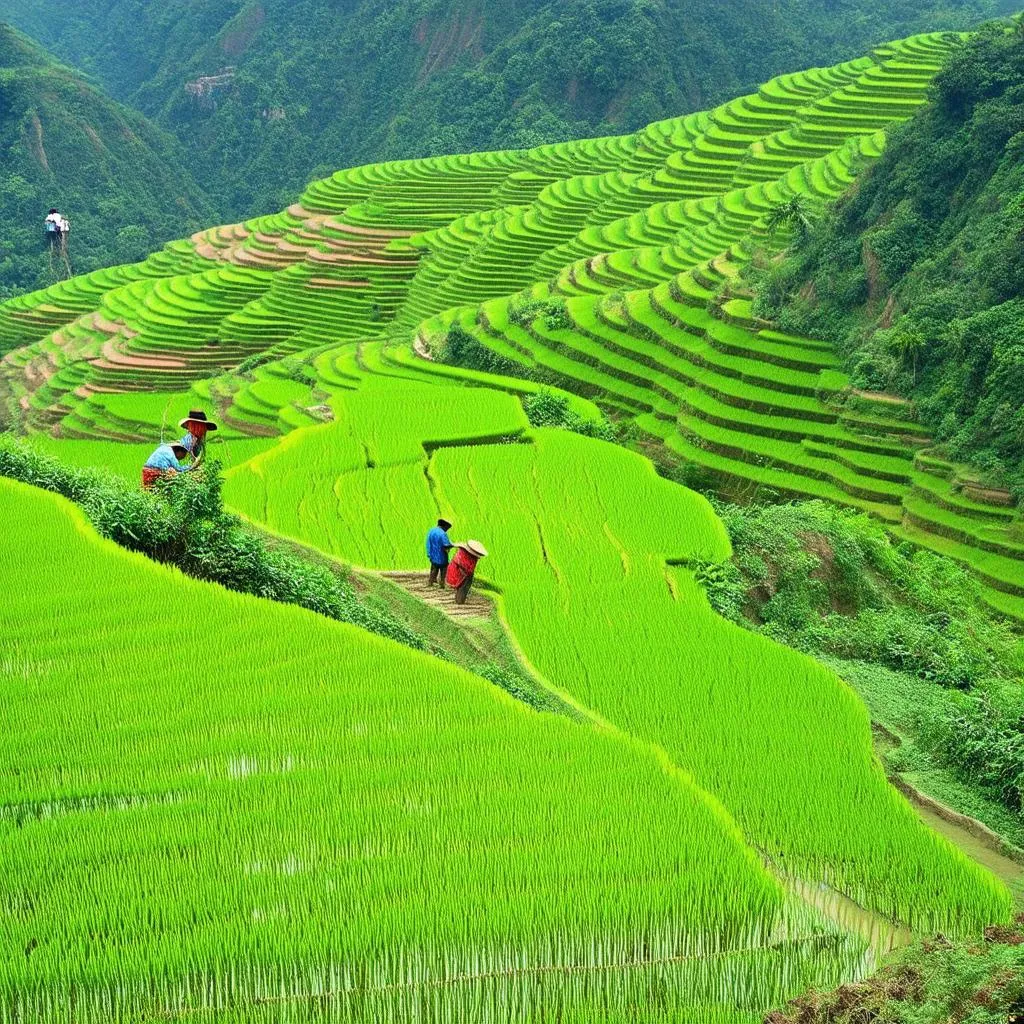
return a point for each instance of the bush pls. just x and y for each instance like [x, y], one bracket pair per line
[830, 581]
[460, 348]
[547, 409]
[981, 736]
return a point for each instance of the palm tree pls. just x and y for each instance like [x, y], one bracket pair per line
[795, 213]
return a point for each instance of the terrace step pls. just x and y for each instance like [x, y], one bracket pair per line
[477, 605]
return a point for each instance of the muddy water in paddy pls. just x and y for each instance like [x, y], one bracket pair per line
[881, 935]
[981, 850]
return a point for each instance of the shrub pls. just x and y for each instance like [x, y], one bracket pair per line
[460, 348]
[981, 736]
[830, 581]
[547, 409]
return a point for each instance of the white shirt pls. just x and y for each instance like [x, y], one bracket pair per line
[53, 218]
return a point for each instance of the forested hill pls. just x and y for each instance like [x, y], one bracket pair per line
[919, 273]
[318, 85]
[64, 143]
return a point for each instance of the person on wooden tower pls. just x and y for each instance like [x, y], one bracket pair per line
[56, 226]
[196, 427]
[52, 224]
[463, 568]
[438, 546]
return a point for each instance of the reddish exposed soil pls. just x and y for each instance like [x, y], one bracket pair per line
[871, 269]
[988, 495]
[881, 396]
[116, 358]
[331, 282]
[36, 143]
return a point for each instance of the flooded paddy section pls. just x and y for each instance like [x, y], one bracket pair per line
[976, 845]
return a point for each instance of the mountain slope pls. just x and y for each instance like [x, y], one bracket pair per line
[318, 86]
[64, 143]
[920, 273]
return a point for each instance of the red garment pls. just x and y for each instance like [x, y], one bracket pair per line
[461, 568]
[150, 476]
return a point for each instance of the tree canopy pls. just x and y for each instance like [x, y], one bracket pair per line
[317, 86]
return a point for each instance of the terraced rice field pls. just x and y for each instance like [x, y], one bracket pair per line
[641, 236]
[469, 858]
[274, 817]
[161, 861]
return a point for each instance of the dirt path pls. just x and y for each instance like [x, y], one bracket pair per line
[477, 606]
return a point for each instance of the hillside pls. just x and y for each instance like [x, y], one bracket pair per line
[316, 86]
[284, 818]
[64, 143]
[919, 274]
[331, 819]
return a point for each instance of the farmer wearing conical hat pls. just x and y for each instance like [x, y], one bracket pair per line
[463, 568]
[196, 427]
[438, 546]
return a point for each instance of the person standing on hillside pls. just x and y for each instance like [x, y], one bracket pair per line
[165, 462]
[463, 568]
[196, 427]
[438, 546]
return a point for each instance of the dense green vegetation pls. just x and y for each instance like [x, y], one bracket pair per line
[933, 982]
[358, 832]
[609, 267]
[224, 809]
[64, 143]
[831, 581]
[183, 523]
[574, 558]
[919, 272]
[323, 85]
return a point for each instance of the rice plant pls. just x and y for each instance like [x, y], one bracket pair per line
[335, 827]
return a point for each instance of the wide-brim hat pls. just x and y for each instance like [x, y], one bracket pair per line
[444, 524]
[197, 416]
[175, 447]
[474, 547]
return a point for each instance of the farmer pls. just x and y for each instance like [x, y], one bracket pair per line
[196, 427]
[438, 546]
[463, 568]
[165, 462]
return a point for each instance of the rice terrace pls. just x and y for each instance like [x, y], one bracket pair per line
[257, 767]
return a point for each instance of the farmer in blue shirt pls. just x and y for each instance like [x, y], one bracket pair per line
[165, 461]
[438, 546]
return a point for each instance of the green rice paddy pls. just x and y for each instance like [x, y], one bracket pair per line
[221, 810]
